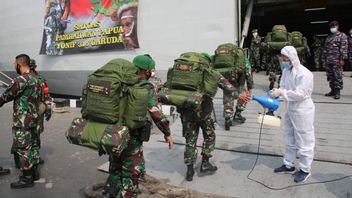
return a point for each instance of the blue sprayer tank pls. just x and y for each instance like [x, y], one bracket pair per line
[268, 102]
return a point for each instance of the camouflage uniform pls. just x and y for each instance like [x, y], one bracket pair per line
[273, 68]
[255, 52]
[25, 91]
[238, 81]
[317, 52]
[350, 50]
[125, 170]
[335, 49]
[46, 100]
[192, 120]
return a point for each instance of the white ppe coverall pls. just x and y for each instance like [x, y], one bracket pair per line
[296, 87]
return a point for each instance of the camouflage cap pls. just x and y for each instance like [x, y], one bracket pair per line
[254, 30]
[144, 62]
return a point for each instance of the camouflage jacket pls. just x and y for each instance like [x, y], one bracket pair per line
[350, 48]
[255, 43]
[156, 112]
[207, 103]
[25, 92]
[335, 48]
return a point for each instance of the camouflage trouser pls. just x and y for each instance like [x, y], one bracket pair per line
[255, 59]
[125, 169]
[24, 146]
[228, 102]
[302, 58]
[274, 69]
[334, 75]
[317, 58]
[191, 132]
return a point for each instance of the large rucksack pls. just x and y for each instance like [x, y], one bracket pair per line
[113, 94]
[192, 72]
[297, 39]
[229, 59]
[277, 38]
[190, 78]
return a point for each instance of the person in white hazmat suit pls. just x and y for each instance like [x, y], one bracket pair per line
[296, 87]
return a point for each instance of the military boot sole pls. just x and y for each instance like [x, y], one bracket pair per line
[22, 185]
[207, 172]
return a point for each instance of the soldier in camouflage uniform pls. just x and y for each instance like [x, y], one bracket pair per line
[25, 91]
[350, 49]
[335, 54]
[46, 100]
[125, 169]
[192, 120]
[317, 52]
[240, 78]
[255, 50]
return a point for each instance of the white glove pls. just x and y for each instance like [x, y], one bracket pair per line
[275, 92]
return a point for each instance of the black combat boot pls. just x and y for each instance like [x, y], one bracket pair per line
[36, 173]
[26, 180]
[228, 123]
[4, 171]
[41, 161]
[16, 158]
[337, 94]
[190, 172]
[238, 117]
[207, 167]
[271, 86]
[110, 189]
[331, 93]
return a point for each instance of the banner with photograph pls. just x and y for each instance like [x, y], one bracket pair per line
[75, 26]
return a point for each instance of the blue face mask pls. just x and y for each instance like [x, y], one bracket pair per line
[333, 30]
[286, 65]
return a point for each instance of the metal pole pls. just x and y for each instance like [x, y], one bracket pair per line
[247, 21]
[6, 76]
[238, 21]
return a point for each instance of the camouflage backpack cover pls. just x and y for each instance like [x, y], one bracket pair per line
[188, 81]
[229, 60]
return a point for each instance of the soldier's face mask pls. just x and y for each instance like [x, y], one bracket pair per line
[333, 30]
[255, 34]
[152, 73]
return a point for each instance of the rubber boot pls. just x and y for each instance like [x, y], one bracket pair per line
[331, 93]
[25, 181]
[4, 171]
[238, 117]
[337, 94]
[16, 158]
[228, 123]
[207, 167]
[190, 172]
[36, 173]
[271, 86]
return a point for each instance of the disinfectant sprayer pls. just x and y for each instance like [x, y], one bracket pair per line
[272, 104]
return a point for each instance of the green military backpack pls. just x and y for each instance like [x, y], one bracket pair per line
[190, 78]
[297, 39]
[229, 59]
[192, 72]
[113, 95]
[278, 38]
